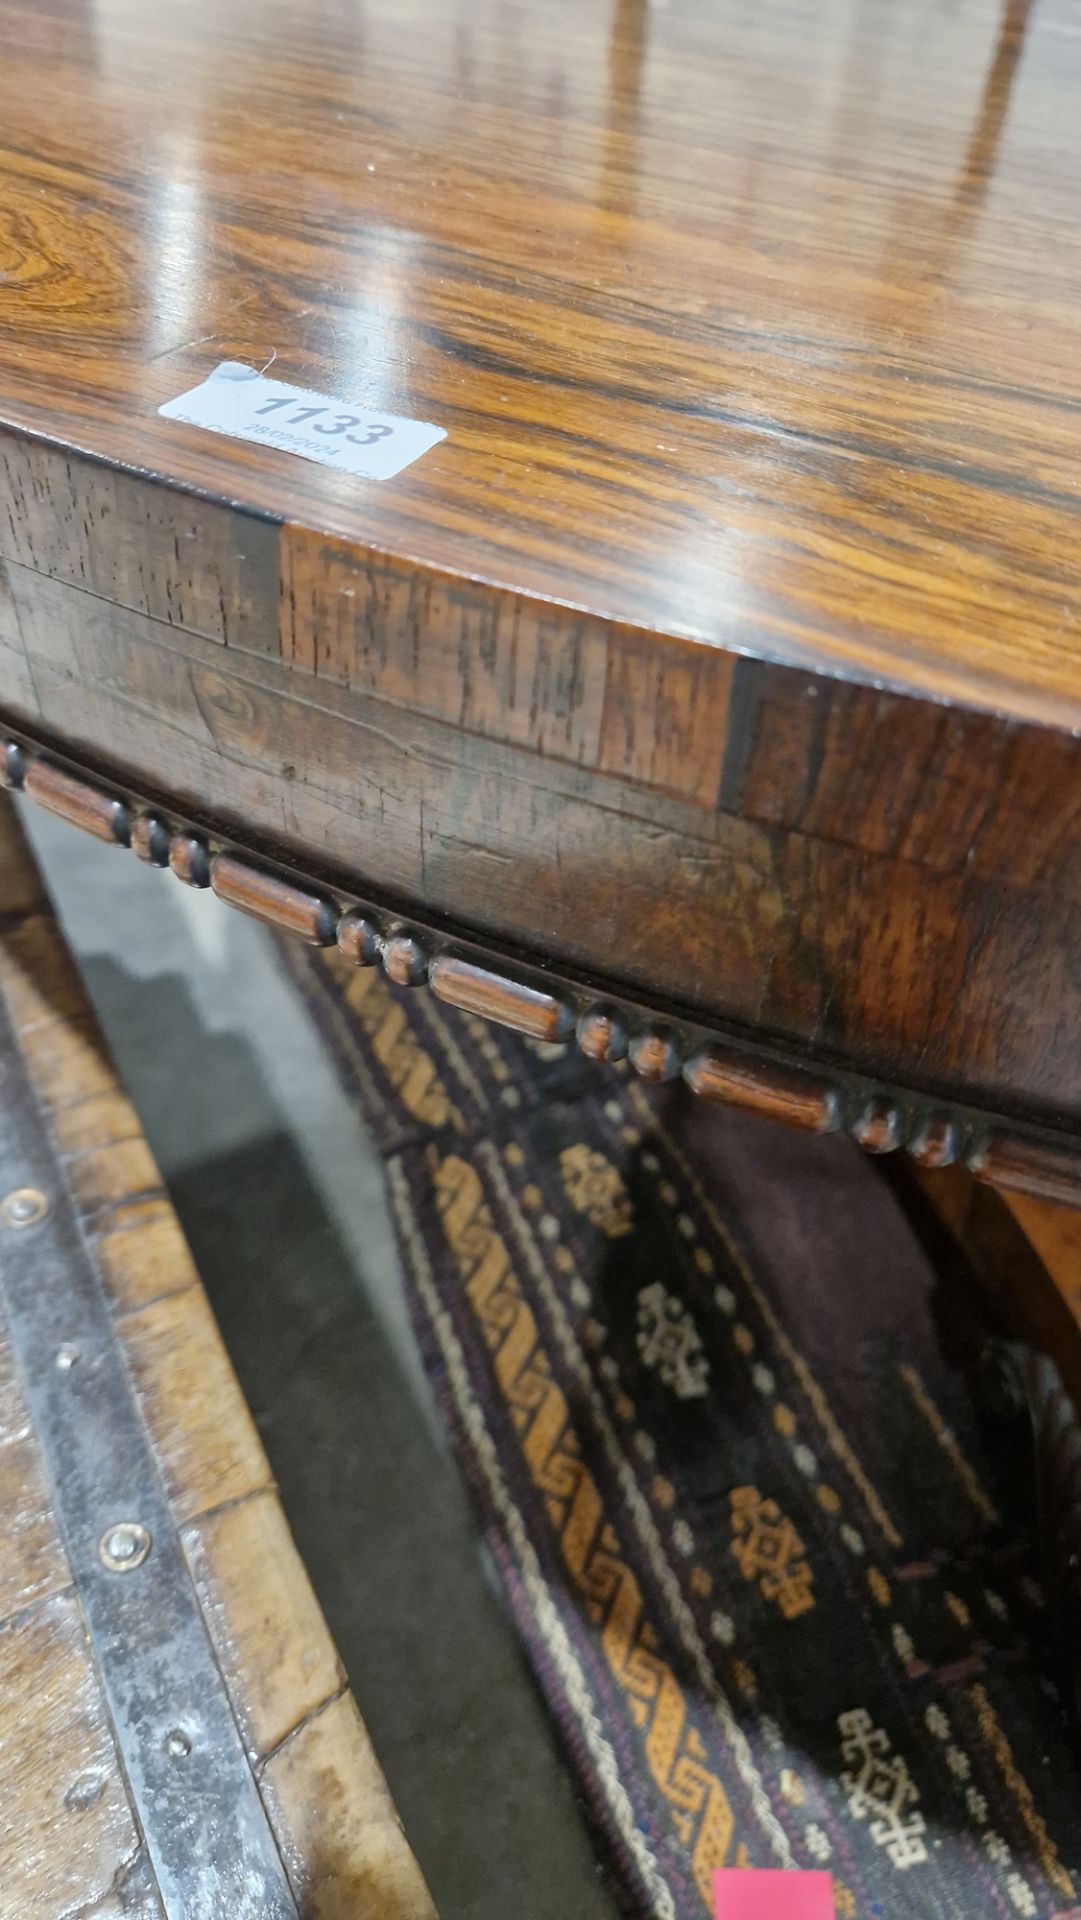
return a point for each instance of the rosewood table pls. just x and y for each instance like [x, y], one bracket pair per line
[613, 556]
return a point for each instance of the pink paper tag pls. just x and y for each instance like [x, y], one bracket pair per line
[752, 1893]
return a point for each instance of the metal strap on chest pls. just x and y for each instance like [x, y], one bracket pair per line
[190, 1781]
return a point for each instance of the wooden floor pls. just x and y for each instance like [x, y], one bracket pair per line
[70, 1837]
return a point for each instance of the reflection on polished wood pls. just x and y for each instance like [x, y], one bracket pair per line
[727, 650]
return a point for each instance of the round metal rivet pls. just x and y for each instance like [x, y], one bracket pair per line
[65, 1358]
[177, 1744]
[123, 1547]
[24, 1208]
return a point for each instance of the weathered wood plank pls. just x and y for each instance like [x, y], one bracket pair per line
[32, 1563]
[344, 1848]
[68, 1840]
[141, 1253]
[188, 562]
[202, 1432]
[278, 1659]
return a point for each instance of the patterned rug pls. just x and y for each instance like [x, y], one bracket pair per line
[773, 1577]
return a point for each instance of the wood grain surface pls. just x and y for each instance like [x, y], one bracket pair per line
[266, 898]
[728, 647]
[69, 1839]
[546, 1006]
[751, 326]
[1026, 1256]
[99, 815]
[463, 985]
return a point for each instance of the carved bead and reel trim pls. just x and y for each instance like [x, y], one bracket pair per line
[150, 840]
[358, 938]
[658, 1050]
[189, 859]
[276, 902]
[81, 805]
[405, 960]
[791, 1097]
[602, 1034]
[493, 997]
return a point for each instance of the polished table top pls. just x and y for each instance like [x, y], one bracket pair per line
[753, 335]
[754, 324]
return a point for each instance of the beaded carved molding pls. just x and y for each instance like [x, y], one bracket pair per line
[549, 1006]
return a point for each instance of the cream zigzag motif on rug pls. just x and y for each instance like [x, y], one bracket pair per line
[656, 1889]
[680, 1612]
[698, 1805]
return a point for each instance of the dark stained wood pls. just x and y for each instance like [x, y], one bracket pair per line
[796, 1099]
[1024, 1357]
[79, 802]
[880, 1121]
[358, 939]
[265, 897]
[894, 968]
[1047, 1172]
[1026, 1254]
[1053, 1234]
[493, 997]
[880, 1127]
[602, 1034]
[935, 1142]
[654, 1054]
[150, 840]
[507, 669]
[691, 294]
[727, 651]
[405, 960]
[189, 859]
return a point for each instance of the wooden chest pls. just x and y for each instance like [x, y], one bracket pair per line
[177, 1738]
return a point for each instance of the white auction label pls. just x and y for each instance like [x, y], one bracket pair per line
[338, 433]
